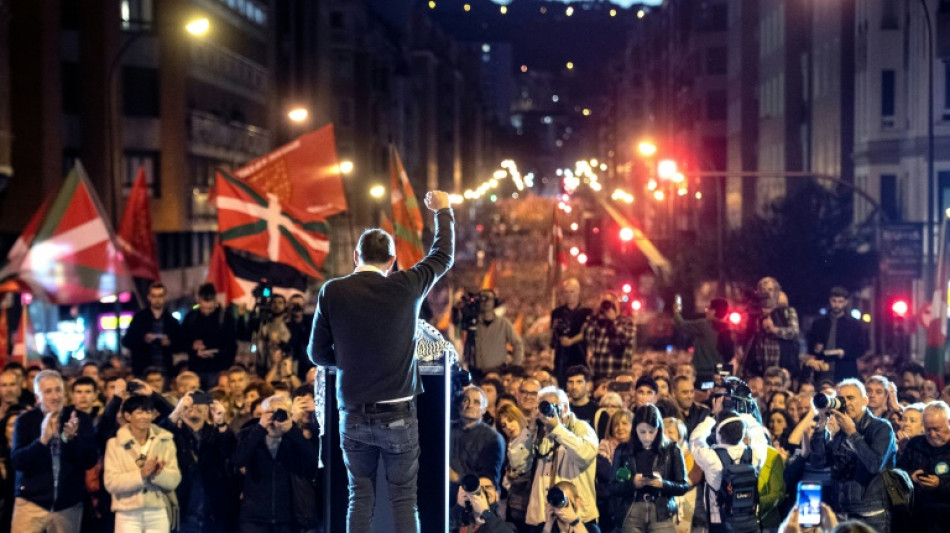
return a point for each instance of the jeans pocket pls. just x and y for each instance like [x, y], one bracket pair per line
[401, 435]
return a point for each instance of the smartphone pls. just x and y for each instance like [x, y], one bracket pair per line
[622, 386]
[809, 503]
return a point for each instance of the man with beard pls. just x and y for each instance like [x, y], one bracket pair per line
[9, 391]
[567, 331]
[153, 334]
[203, 442]
[208, 335]
[836, 340]
[578, 391]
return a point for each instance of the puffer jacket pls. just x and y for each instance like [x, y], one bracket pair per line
[669, 463]
[123, 478]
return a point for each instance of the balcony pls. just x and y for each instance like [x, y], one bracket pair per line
[223, 68]
[232, 142]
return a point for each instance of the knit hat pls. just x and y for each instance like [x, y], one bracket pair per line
[647, 381]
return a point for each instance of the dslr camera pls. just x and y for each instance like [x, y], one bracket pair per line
[556, 498]
[472, 485]
[824, 401]
[549, 409]
[280, 416]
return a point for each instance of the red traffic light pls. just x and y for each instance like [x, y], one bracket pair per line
[636, 305]
[626, 288]
[626, 234]
[582, 258]
[900, 308]
[735, 318]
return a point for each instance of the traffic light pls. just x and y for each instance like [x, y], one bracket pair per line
[626, 234]
[735, 318]
[900, 308]
[626, 288]
[594, 241]
[636, 305]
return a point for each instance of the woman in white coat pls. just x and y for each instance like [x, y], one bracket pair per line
[141, 471]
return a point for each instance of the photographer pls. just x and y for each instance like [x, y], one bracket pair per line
[475, 447]
[863, 446]
[153, 334]
[483, 508]
[271, 452]
[773, 333]
[566, 450]
[611, 338]
[493, 334]
[564, 508]
[269, 329]
[731, 434]
[712, 339]
[206, 495]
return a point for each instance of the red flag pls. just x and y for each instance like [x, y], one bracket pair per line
[224, 280]
[4, 336]
[385, 224]
[304, 173]
[557, 259]
[68, 252]
[488, 280]
[135, 236]
[257, 222]
[25, 343]
[407, 219]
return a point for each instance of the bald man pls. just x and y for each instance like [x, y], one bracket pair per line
[567, 331]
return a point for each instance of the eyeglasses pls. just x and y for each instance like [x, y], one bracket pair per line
[522, 391]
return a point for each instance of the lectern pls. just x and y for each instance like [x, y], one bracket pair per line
[433, 497]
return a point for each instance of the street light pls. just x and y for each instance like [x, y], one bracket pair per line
[197, 28]
[666, 169]
[346, 167]
[298, 114]
[377, 191]
[646, 149]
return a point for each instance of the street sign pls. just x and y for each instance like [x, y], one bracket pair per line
[902, 250]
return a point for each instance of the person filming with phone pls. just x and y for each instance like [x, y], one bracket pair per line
[857, 453]
[926, 458]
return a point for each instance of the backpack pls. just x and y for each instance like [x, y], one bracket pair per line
[899, 488]
[738, 494]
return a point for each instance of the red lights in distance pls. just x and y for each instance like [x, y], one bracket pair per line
[735, 318]
[636, 305]
[900, 308]
[626, 288]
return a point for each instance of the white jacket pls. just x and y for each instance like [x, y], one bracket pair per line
[123, 478]
[707, 459]
[575, 459]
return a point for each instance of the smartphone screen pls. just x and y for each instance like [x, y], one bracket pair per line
[809, 504]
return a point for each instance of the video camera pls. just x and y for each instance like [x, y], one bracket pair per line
[737, 397]
[469, 306]
[262, 294]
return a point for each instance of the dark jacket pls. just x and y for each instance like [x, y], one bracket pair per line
[857, 461]
[206, 454]
[217, 331]
[478, 450]
[920, 455]
[33, 461]
[671, 466]
[850, 336]
[365, 324]
[143, 321]
[268, 489]
[108, 423]
[696, 414]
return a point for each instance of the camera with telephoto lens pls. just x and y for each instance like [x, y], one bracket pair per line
[824, 401]
[549, 409]
[471, 485]
[737, 397]
[133, 386]
[280, 416]
[556, 498]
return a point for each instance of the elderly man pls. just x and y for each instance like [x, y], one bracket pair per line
[926, 458]
[53, 446]
[863, 446]
[271, 452]
[566, 451]
[475, 447]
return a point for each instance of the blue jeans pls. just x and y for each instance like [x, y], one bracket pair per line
[364, 438]
[642, 517]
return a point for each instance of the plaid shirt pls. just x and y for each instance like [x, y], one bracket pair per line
[611, 343]
[765, 350]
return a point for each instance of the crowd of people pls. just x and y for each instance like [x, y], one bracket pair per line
[213, 442]
[719, 438]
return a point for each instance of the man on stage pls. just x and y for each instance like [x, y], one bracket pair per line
[365, 326]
